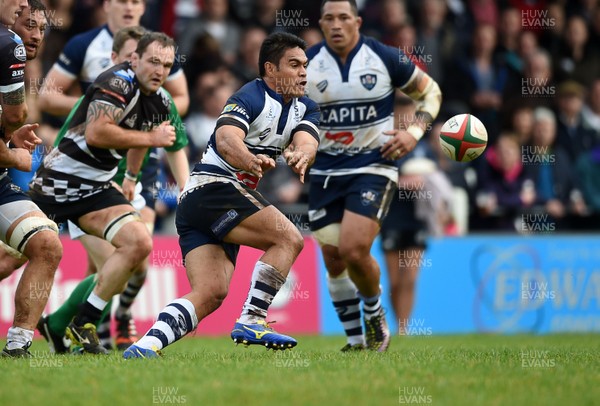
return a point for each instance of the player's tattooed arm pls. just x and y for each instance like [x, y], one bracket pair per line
[15, 97]
[103, 111]
[14, 109]
[428, 96]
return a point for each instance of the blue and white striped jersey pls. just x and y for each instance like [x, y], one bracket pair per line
[357, 104]
[269, 125]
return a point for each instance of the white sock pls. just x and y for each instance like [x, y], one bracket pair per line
[96, 301]
[176, 320]
[266, 282]
[18, 338]
[347, 305]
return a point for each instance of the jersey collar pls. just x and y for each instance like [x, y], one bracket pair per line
[345, 69]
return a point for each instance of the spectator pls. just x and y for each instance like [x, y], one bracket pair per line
[522, 123]
[480, 79]
[572, 135]
[578, 59]
[214, 21]
[246, 65]
[551, 37]
[591, 110]
[552, 171]
[435, 37]
[509, 33]
[588, 173]
[505, 186]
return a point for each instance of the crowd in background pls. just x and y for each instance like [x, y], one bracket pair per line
[530, 70]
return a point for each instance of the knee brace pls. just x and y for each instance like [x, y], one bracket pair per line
[116, 224]
[27, 228]
[328, 235]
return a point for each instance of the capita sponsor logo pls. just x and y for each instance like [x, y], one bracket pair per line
[41, 86]
[289, 221]
[407, 120]
[413, 395]
[413, 259]
[534, 290]
[43, 291]
[415, 54]
[536, 223]
[44, 359]
[166, 258]
[413, 190]
[537, 155]
[290, 359]
[413, 327]
[291, 19]
[537, 19]
[167, 394]
[537, 359]
[537, 87]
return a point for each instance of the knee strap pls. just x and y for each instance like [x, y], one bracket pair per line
[115, 225]
[328, 235]
[27, 228]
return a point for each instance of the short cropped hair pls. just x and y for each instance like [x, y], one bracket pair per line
[149, 37]
[125, 34]
[274, 46]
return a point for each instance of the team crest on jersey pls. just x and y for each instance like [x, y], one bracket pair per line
[322, 85]
[368, 197]
[368, 80]
[20, 53]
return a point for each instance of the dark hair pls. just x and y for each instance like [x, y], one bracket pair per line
[125, 34]
[149, 37]
[36, 5]
[274, 46]
[353, 5]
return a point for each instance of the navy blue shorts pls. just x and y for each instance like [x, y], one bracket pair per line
[207, 214]
[9, 192]
[364, 194]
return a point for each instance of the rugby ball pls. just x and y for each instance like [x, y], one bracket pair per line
[463, 138]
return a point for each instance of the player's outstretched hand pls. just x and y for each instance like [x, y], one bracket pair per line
[259, 164]
[163, 135]
[298, 160]
[400, 144]
[25, 137]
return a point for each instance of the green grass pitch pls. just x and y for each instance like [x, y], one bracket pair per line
[440, 370]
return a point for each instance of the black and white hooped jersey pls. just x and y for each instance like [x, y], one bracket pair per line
[87, 55]
[12, 64]
[269, 125]
[357, 104]
[74, 169]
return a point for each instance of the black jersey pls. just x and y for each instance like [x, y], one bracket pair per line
[74, 169]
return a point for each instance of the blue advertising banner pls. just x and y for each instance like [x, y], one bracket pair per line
[500, 284]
